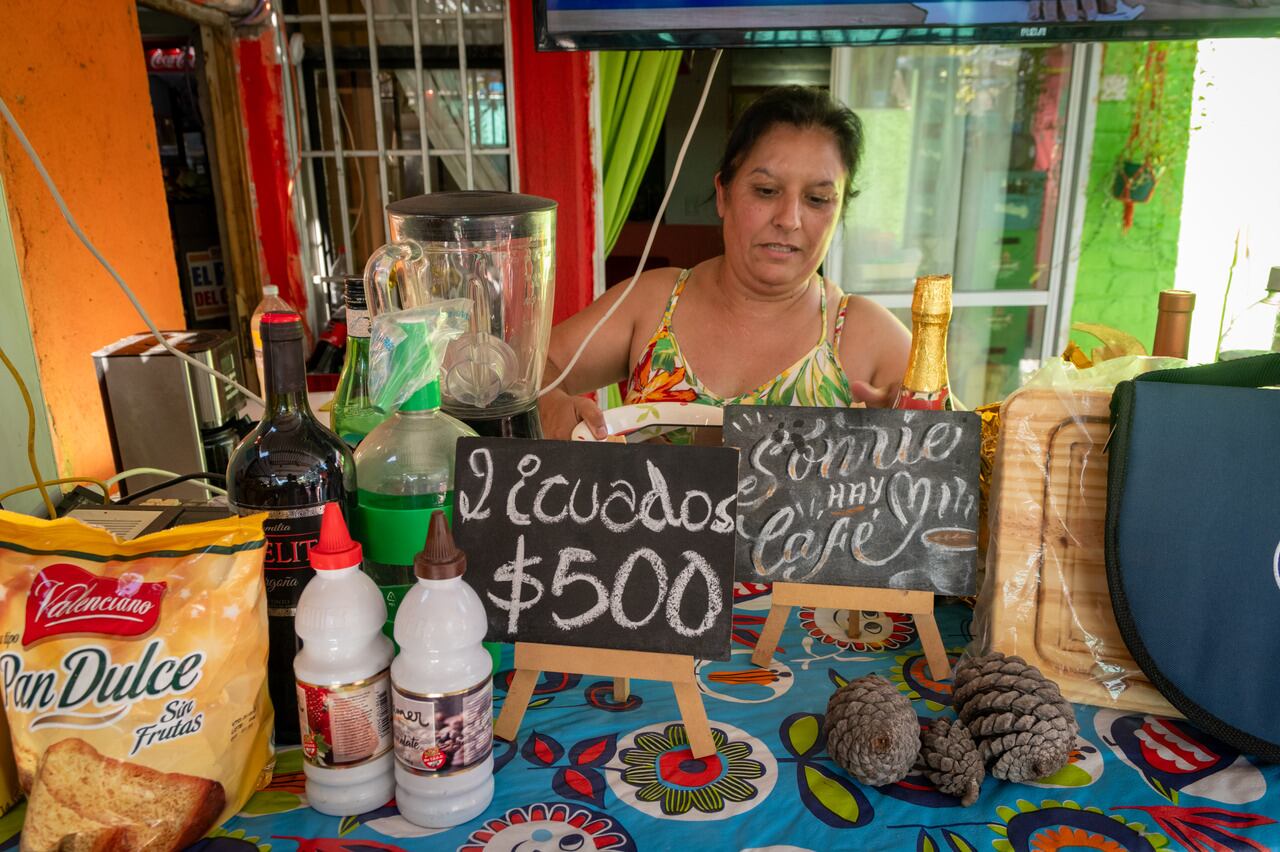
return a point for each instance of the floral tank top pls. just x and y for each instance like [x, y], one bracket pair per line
[663, 375]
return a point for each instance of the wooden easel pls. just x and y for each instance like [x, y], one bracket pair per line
[855, 599]
[531, 659]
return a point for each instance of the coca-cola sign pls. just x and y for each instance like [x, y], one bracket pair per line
[177, 59]
[67, 599]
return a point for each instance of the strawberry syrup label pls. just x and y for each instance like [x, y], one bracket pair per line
[345, 725]
[65, 598]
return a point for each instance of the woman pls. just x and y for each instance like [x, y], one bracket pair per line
[756, 325]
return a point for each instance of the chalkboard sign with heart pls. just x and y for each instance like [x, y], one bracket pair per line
[875, 498]
[622, 546]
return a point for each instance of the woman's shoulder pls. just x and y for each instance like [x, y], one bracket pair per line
[652, 290]
[872, 339]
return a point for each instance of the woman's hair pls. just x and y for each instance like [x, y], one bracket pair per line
[800, 107]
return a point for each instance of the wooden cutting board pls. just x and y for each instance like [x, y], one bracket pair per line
[1046, 599]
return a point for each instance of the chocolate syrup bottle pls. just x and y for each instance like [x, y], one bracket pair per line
[289, 466]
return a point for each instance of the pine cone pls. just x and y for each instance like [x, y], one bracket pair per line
[951, 761]
[1023, 727]
[872, 731]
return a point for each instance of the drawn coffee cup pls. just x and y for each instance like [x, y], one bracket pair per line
[951, 556]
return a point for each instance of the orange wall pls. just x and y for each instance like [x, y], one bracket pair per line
[73, 75]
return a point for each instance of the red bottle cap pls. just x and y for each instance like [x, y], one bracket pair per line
[335, 549]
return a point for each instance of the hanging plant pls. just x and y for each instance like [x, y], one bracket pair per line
[1142, 162]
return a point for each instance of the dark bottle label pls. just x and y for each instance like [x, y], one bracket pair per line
[290, 535]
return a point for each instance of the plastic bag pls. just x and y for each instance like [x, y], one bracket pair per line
[1044, 596]
[135, 679]
[406, 349]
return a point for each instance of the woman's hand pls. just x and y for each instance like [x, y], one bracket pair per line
[872, 396]
[561, 413]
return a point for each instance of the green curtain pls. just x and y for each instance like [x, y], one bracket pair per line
[635, 87]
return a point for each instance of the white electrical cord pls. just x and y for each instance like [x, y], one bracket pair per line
[75, 228]
[155, 471]
[644, 256]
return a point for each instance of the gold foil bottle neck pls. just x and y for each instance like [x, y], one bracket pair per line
[932, 297]
[930, 316]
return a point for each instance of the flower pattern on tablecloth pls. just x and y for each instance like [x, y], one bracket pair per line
[1165, 775]
[911, 675]
[881, 631]
[1052, 826]
[550, 826]
[661, 777]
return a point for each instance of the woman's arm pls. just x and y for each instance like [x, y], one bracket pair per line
[874, 348]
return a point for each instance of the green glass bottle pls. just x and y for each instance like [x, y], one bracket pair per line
[408, 460]
[354, 415]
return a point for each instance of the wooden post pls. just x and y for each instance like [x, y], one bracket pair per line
[532, 658]
[853, 629]
[856, 599]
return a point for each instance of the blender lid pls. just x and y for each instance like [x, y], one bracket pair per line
[471, 215]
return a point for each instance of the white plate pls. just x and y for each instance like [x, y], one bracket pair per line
[628, 421]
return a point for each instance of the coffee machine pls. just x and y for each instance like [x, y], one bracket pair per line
[164, 413]
[498, 250]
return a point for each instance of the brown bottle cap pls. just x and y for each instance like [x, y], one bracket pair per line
[1178, 301]
[440, 558]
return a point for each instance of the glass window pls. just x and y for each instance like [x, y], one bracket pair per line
[416, 110]
[961, 175]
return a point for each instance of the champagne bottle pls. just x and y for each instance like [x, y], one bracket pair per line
[925, 385]
[354, 415]
[289, 466]
[1173, 323]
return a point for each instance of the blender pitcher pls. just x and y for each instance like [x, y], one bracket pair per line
[497, 249]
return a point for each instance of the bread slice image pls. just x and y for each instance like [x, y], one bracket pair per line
[85, 802]
[28, 761]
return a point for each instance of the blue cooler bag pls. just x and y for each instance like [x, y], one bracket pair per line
[1193, 542]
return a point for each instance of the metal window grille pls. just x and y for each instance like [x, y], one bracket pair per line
[386, 99]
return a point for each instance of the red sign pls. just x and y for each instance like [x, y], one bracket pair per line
[171, 59]
[67, 599]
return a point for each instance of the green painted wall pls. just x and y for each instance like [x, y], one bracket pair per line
[1120, 273]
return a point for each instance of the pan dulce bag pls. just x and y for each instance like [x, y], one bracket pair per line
[134, 678]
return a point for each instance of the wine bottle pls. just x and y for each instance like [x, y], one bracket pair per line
[925, 385]
[289, 466]
[1173, 323]
[354, 415]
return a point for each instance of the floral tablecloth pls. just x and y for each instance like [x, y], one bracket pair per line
[589, 773]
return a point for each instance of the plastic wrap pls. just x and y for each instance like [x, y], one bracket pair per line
[406, 348]
[1044, 596]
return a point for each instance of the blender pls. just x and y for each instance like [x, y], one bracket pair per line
[498, 250]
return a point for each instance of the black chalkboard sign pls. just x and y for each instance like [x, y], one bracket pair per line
[857, 497]
[620, 546]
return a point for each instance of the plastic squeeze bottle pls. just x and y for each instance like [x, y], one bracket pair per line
[344, 679]
[271, 301]
[442, 691]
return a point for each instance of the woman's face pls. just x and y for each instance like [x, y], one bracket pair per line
[783, 205]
